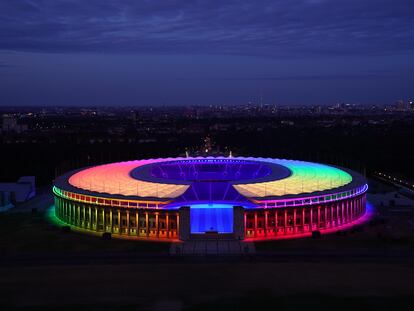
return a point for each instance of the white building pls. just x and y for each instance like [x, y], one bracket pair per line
[18, 192]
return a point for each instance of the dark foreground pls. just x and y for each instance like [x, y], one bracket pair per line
[206, 285]
[43, 267]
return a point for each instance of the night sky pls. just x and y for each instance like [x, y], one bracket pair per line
[160, 52]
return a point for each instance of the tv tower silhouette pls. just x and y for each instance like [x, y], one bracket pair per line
[261, 98]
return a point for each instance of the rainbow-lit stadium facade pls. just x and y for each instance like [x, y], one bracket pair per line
[220, 197]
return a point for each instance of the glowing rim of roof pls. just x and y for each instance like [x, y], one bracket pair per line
[115, 179]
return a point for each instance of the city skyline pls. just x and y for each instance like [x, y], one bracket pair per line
[123, 53]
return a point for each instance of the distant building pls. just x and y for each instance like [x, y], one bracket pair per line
[18, 192]
[400, 105]
[9, 124]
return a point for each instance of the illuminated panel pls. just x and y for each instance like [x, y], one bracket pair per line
[211, 217]
[115, 178]
[306, 177]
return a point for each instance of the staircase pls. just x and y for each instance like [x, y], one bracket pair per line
[212, 248]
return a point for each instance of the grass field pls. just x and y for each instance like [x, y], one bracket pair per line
[206, 286]
[35, 234]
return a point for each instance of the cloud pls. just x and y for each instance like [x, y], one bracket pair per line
[5, 65]
[266, 28]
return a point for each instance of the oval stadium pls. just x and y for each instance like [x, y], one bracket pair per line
[241, 198]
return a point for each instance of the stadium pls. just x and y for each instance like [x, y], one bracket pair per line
[241, 198]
